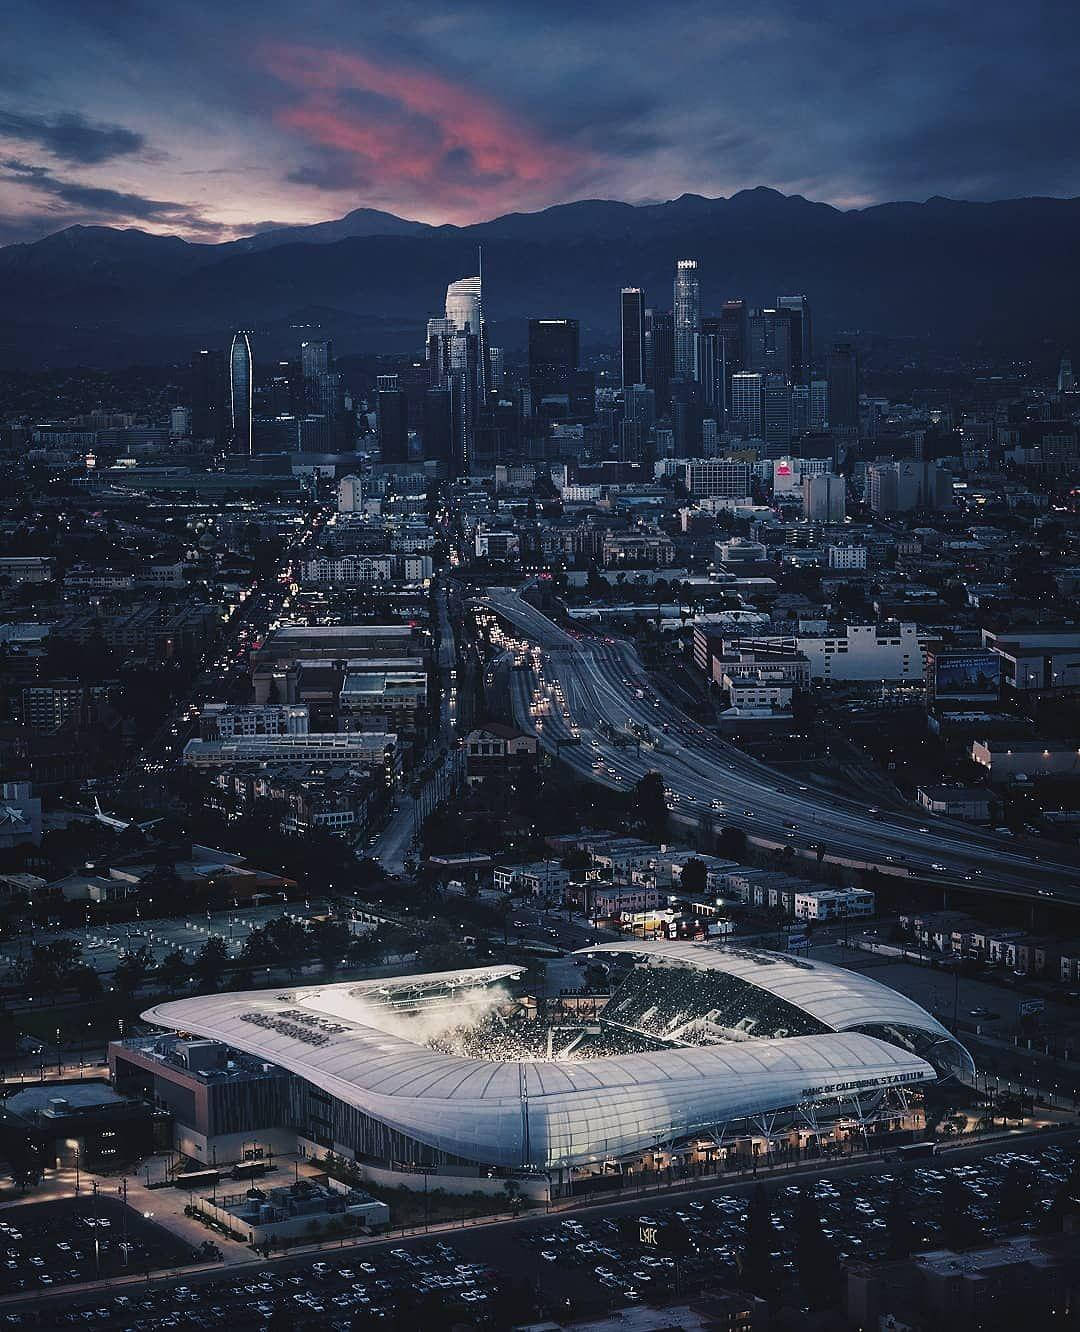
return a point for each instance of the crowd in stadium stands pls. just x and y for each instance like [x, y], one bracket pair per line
[688, 1006]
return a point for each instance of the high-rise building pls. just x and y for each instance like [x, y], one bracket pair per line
[770, 342]
[179, 422]
[712, 370]
[553, 358]
[463, 381]
[639, 416]
[842, 375]
[686, 416]
[659, 354]
[316, 358]
[748, 402]
[818, 411]
[436, 429]
[733, 327]
[392, 420]
[632, 323]
[824, 497]
[1066, 380]
[687, 315]
[802, 336]
[465, 310]
[779, 423]
[904, 485]
[241, 388]
[209, 384]
[496, 368]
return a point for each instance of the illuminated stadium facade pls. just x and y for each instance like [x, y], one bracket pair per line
[701, 1052]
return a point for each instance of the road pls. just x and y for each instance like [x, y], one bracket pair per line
[394, 844]
[575, 692]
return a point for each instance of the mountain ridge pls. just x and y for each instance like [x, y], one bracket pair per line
[945, 269]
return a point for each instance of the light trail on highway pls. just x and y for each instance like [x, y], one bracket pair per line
[595, 688]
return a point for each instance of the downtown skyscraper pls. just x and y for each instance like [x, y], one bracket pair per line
[632, 325]
[241, 388]
[687, 315]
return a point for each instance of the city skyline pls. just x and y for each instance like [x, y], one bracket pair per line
[212, 125]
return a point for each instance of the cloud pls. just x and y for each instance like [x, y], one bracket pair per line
[71, 137]
[415, 136]
[101, 203]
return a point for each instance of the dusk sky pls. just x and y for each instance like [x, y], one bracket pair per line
[210, 120]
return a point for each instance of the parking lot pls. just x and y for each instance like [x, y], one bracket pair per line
[103, 946]
[49, 1244]
[585, 1262]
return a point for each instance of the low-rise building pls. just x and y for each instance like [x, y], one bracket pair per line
[834, 904]
[956, 802]
[540, 878]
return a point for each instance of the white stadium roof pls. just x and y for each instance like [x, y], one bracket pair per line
[534, 1113]
[838, 998]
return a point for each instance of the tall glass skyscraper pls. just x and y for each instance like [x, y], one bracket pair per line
[465, 310]
[241, 383]
[687, 312]
[632, 312]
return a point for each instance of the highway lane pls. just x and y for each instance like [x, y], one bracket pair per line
[586, 684]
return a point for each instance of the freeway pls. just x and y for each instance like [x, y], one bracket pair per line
[590, 701]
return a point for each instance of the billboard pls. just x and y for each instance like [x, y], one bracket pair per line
[975, 674]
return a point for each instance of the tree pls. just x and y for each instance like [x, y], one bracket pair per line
[210, 963]
[132, 969]
[1014, 1204]
[86, 983]
[731, 843]
[694, 877]
[173, 971]
[650, 805]
[757, 1244]
[330, 939]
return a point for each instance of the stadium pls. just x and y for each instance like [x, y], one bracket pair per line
[702, 1052]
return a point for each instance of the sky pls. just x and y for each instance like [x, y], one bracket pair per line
[214, 120]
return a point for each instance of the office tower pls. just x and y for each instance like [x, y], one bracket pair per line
[435, 430]
[465, 310]
[179, 422]
[824, 497]
[842, 376]
[241, 386]
[553, 358]
[802, 337]
[747, 403]
[639, 416]
[208, 395]
[632, 322]
[686, 416]
[316, 358]
[779, 426]
[687, 315]
[329, 403]
[463, 381]
[733, 328]
[414, 381]
[818, 413]
[392, 421]
[905, 485]
[496, 368]
[1066, 380]
[770, 342]
[800, 409]
[437, 328]
[711, 367]
[660, 354]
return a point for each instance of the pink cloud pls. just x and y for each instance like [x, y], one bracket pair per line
[427, 140]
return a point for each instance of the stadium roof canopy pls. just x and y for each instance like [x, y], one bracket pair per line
[840, 999]
[544, 1114]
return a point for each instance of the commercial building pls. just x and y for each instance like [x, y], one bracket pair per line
[1006, 759]
[722, 1049]
[540, 878]
[824, 497]
[956, 802]
[893, 651]
[632, 339]
[843, 557]
[233, 721]
[834, 904]
[687, 316]
[374, 748]
[1035, 660]
[900, 487]
[725, 477]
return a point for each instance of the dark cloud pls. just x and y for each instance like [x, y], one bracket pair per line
[71, 137]
[105, 204]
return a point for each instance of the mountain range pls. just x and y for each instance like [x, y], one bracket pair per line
[947, 272]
